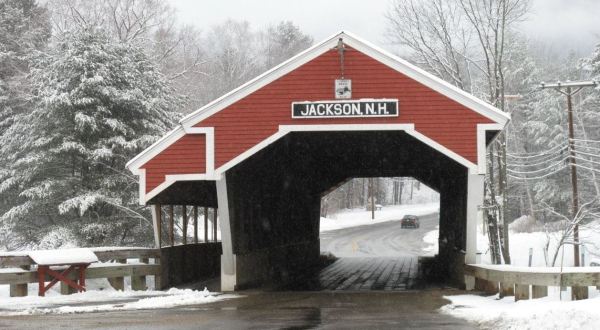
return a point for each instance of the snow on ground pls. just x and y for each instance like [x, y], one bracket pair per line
[100, 297]
[431, 239]
[543, 313]
[553, 312]
[190, 229]
[520, 243]
[105, 300]
[361, 217]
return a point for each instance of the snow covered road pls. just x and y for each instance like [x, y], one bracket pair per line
[384, 239]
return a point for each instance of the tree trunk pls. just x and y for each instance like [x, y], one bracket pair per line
[491, 211]
[502, 185]
[401, 189]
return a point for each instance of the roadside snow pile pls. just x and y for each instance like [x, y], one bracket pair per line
[361, 217]
[544, 313]
[104, 301]
[431, 239]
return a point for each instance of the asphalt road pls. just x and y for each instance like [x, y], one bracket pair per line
[385, 239]
[271, 310]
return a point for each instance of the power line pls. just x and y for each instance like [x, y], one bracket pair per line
[587, 168]
[540, 158]
[587, 160]
[534, 155]
[536, 177]
[587, 154]
[587, 141]
[542, 162]
[569, 89]
[540, 170]
[537, 152]
[586, 147]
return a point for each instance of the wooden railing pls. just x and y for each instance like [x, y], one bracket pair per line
[17, 269]
[198, 219]
[521, 279]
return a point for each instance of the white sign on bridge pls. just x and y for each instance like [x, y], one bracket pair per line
[346, 109]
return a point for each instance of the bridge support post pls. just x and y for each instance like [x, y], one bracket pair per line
[228, 271]
[157, 223]
[474, 200]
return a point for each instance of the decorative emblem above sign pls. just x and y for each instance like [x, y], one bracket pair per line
[346, 109]
[343, 89]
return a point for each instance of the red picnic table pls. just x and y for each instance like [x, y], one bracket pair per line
[74, 259]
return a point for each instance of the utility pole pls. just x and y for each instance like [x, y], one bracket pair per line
[569, 89]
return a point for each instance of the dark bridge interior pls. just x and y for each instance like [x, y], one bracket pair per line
[274, 198]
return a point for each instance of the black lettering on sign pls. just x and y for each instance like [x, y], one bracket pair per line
[346, 109]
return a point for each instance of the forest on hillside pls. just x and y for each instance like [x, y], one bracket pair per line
[87, 85]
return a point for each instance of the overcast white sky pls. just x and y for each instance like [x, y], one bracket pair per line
[563, 23]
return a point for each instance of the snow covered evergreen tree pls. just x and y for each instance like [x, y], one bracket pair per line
[24, 28]
[99, 103]
[588, 119]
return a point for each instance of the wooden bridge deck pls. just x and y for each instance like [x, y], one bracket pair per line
[362, 274]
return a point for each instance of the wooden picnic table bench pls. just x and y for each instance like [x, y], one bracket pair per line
[73, 259]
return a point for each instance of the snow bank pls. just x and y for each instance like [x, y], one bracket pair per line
[103, 301]
[361, 217]
[431, 241]
[544, 313]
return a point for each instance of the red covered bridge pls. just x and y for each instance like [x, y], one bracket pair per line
[266, 152]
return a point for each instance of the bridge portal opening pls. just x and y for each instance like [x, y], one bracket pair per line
[375, 234]
[275, 200]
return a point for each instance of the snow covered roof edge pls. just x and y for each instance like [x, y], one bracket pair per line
[391, 60]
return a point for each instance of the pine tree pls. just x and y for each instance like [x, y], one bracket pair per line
[99, 103]
[24, 28]
[588, 121]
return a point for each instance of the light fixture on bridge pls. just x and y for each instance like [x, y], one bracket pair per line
[343, 87]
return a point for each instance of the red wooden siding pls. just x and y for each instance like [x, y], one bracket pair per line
[252, 119]
[186, 156]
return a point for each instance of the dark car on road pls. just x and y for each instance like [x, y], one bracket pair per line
[409, 221]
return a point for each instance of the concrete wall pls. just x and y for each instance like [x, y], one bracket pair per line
[189, 263]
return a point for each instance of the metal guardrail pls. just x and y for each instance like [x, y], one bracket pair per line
[18, 269]
[539, 278]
